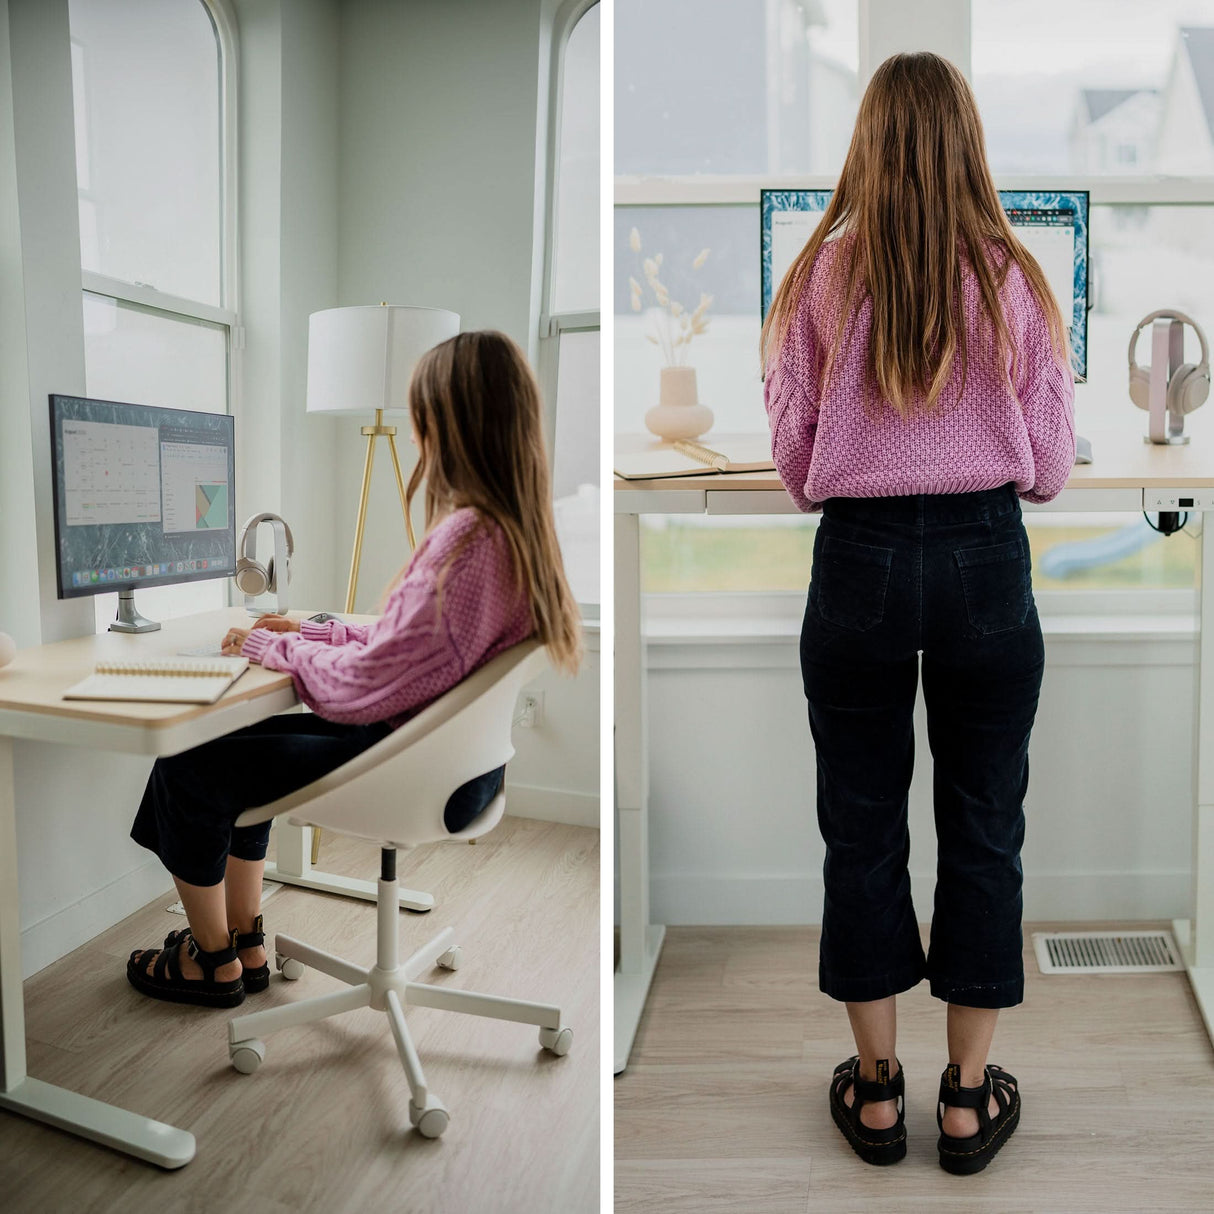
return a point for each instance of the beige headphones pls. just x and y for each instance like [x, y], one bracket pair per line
[251, 576]
[1187, 385]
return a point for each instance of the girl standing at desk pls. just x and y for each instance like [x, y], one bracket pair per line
[487, 575]
[917, 386]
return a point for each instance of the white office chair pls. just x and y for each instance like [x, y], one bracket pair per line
[395, 793]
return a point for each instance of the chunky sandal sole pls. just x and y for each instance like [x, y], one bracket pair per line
[879, 1153]
[966, 1163]
[215, 994]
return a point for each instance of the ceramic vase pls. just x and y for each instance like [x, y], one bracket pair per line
[678, 413]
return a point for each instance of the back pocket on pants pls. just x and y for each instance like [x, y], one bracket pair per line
[851, 581]
[996, 586]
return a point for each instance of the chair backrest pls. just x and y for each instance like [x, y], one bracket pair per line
[396, 791]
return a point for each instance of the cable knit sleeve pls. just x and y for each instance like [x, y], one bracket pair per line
[334, 632]
[428, 639]
[793, 419]
[1045, 387]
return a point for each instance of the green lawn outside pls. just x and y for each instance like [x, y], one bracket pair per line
[685, 559]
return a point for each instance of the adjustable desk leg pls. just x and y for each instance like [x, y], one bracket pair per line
[86, 1118]
[640, 940]
[294, 867]
[1196, 936]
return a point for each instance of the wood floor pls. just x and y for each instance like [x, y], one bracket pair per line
[323, 1125]
[724, 1104]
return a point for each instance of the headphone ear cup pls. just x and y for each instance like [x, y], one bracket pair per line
[271, 575]
[1140, 386]
[1189, 388]
[251, 578]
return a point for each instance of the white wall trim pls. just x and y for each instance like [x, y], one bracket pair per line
[553, 805]
[713, 899]
[77, 923]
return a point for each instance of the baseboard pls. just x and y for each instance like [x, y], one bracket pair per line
[718, 899]
[70, 927]
[552, 805]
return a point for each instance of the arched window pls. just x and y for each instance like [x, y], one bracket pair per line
[153, 89]
[569, 327]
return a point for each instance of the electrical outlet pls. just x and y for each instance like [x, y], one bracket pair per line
[531, 709]
[1178, 499]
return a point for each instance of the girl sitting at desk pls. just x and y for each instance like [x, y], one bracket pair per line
[486, 576]
[917, 386]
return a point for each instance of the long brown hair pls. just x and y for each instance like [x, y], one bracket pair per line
[917, 200]
[476, 411]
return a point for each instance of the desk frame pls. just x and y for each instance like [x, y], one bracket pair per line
[641, 940]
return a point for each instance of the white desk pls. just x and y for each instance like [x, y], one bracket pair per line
[31, 708]
[1124, 467]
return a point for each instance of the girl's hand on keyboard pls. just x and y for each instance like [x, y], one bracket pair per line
[233, 641]
[277, 623]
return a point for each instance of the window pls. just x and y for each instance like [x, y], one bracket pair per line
[734, 86]
[569, 328]
[154, 157]
[1113, 97]
[1070, 88]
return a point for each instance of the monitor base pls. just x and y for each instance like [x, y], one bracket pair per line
[128, 618]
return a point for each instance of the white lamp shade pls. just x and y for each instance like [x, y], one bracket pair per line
[361, 359]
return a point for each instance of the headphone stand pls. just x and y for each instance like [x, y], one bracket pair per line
[128, 618]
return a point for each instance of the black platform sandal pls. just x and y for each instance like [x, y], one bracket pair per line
[965, 1156]
[166, 980]
[873, 1146]
[254, 980]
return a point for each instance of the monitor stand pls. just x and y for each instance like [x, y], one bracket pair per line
[128, 618]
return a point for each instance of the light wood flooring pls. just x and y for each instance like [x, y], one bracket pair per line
[723, 1106]
[323, 1125]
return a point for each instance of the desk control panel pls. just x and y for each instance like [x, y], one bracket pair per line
[1178, 499]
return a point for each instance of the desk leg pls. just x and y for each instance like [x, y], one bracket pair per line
[640, 940]
[294, 867]
[1195, 937]
[86, 1118]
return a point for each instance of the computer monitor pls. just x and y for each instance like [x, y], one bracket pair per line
[1053, 226]
[143, 497]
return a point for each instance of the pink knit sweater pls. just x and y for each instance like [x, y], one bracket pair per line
[825, 444]
[416, 651]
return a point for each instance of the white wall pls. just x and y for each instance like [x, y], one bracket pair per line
[734, 836]
[437, 197]
[441, 168]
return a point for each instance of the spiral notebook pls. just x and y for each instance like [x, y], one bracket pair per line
[161, 680]
[686, 458]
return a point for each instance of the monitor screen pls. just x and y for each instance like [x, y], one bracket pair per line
[1053, 227]
[143, 496]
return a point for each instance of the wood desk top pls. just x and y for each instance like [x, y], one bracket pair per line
[35, 680]
[1120, 459]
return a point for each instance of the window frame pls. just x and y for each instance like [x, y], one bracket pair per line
[227, 314]
[552, 324]
[743, 189]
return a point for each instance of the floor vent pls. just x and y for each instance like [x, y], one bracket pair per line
[1106, 952]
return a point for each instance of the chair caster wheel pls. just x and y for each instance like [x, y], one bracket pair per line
[288, 967]
[557, 1041]
[452, 959]
[430, 1121]
[247, 1056]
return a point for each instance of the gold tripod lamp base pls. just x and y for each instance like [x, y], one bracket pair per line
[372, 433]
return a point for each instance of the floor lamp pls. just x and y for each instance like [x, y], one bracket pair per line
[360, 360]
